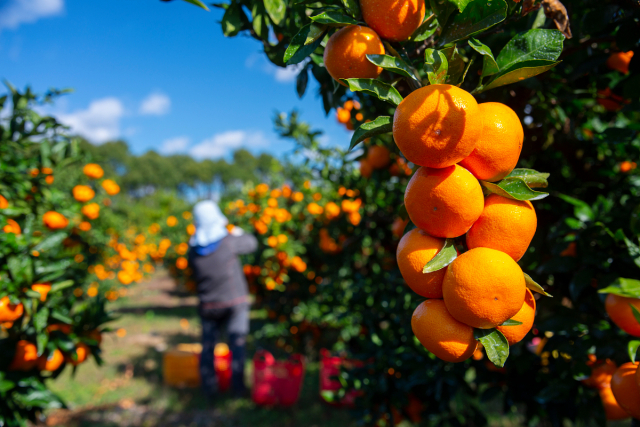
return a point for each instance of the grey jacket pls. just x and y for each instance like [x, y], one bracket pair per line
[219, 276]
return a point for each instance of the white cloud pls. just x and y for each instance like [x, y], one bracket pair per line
[282, 75]
[99, 123]
[174, 145]
[220, 144]
[157, 104]
[16, 12]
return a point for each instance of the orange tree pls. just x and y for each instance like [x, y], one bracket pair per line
[577, 99]
[57, 227]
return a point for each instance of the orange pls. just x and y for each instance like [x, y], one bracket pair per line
[83, 193]
[43, 289]
[437, 125]
[612, 410]
[182, 263]
[394, 20]
[526, 315]
[626, 390]
[62, 327]
[343, 115]
[49, 179]
[444, 202]
[54, 220]
[417, 248]
[378, 156]
[398, 226]
[506, 225]
[499, 143]
[610, 101]
[221, 350]
[365, 168]
[50, 363]
[601, 372]
[3, 202]
[483, 287]
[25, 358]
[93, 170]
[346, 50]
[638, 377]
[82, 352]
[626, 166]
[91, 211]
[620, 313]
[12, 227]
[10, 312]
[111, 187]
[440, 333]
[619, 61]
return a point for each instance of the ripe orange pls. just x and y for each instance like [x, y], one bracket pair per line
[93, 170]
[378, 156]
[601, 372]
[12, 227]
[612, 410]
[619, 61]
[182, 262]
[499, 144]
[3, 202]
[111, 187]
[91, 211]
[343, 115]
[506, 225]
[437, 125]
[43, 289]
[82, 352]
[444, 202]
[440, 333]
[483, 288]
[365, 168]
[346, 50]
[10, 312]
[83, 193]
[51, 362]
[626, 166]
[626, 390]
[393, 20]
[620, 313]
[25, 358]
[415, 249]
[54, 220]
[398, 226]
[526, 315]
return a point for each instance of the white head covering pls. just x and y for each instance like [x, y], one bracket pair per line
[210, 224]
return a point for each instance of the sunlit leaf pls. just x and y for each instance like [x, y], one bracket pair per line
[443, 258]
[382, 124]
[495, 345]
[382, 91]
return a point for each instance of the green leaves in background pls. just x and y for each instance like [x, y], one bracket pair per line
[443, 258]
[632, 349]
[495, 345]
[534, 286]
[623, 287]
[304, 43]
[476, 17]
[233, 20]
[260, 21]
[198, 3]
[581, 210]
[382, 124]
[455, 65]
[277, 9]
[513, 188]
[393, 64]
[425, 30]
[436, 66]
[383, 91]
[334, 18]
[352, 6]
[525, 55]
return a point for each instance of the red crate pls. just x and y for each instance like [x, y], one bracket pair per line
[277, 382]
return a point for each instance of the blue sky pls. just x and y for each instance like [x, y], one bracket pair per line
[159, 75]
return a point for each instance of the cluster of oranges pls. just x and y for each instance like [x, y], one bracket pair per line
[619, 387]
[618, 61]
[344, 114]
[456, 143]
[379, 157]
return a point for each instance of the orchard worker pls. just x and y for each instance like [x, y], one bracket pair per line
[222, 290]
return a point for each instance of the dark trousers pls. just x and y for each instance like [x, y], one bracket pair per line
[235, 320]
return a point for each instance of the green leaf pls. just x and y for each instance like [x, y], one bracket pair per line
[301, 81]
[297, 50]
[393, 64]
[352, 6]
[6, 385]
[40, 319]
[382, 124]
[534, 286]
[442, 10]
[436, 66]
[623, 287]
[51, 241]
[632, 349]
[455, 64]
[513, 188]
[533, 178]
[443, 258]
[61, 285]
[477, 17]
[260, 21]
[334, 18]
[277, 9]
[61, 317]
[511, 322]
[425, 30]
[635, 312]
[198, 3]
[382, 91]
[581, 210]
[495, 345]
[315, 32]
[489, 65]
[533, 45]
[519, 72]
[232, 20]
